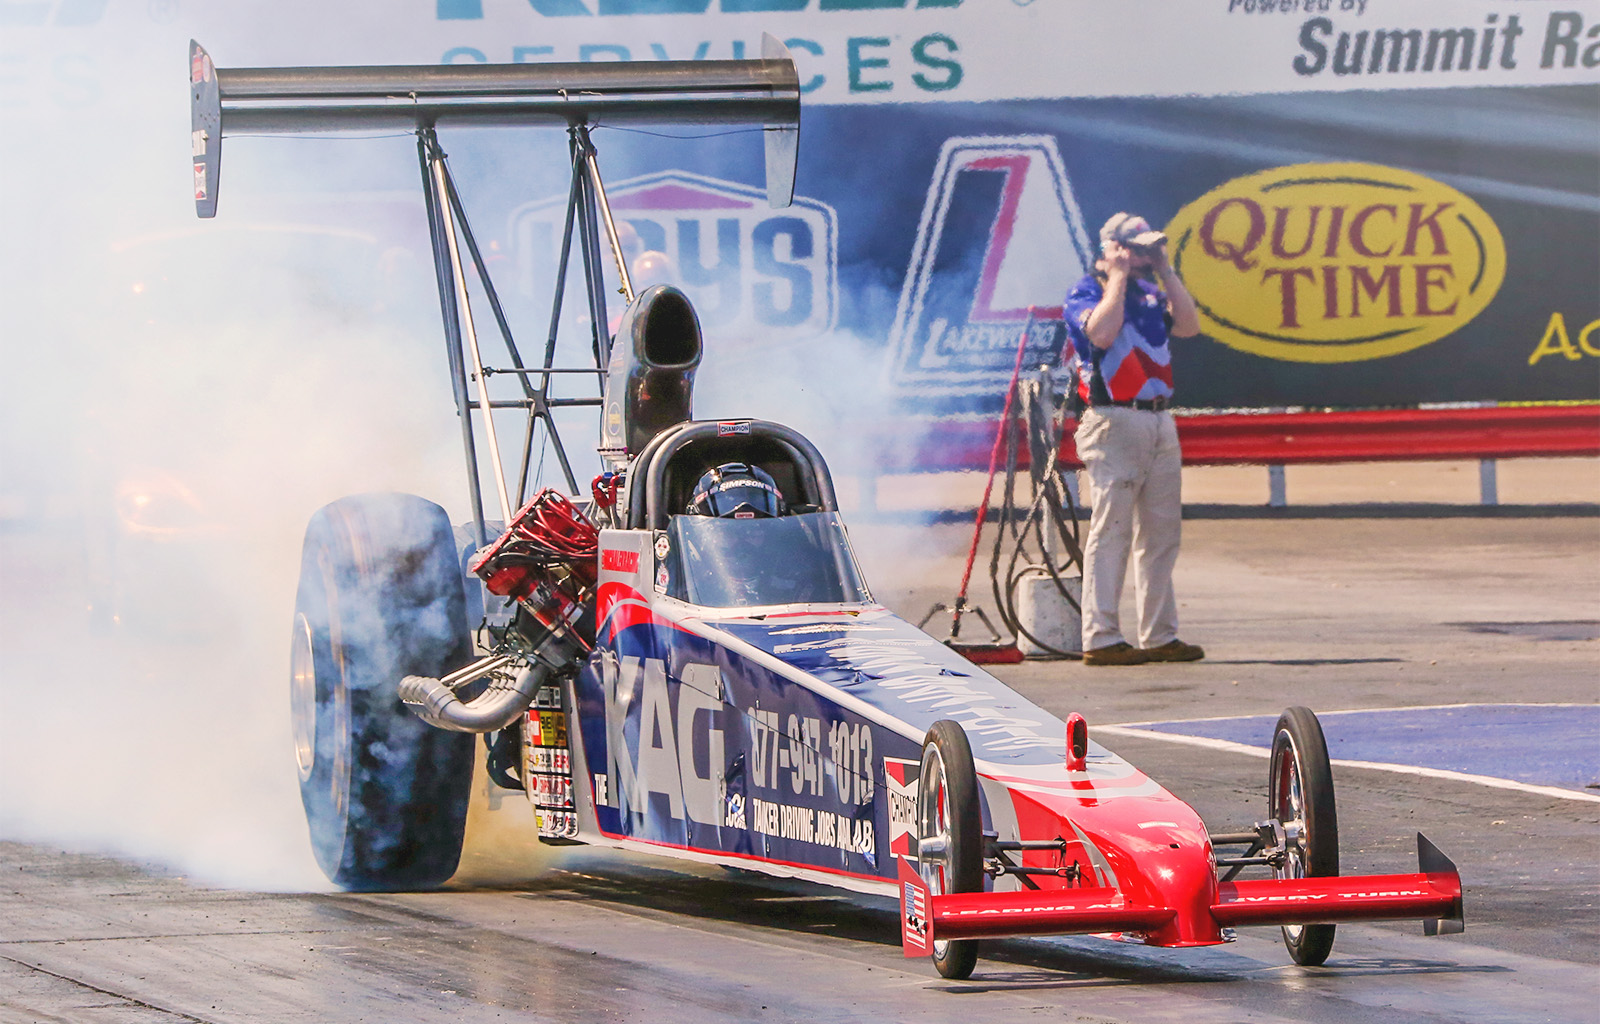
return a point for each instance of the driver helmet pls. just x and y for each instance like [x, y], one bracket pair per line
[737, 490]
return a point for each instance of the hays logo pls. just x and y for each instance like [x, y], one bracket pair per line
[472, 10]
[1000, 232]
[750, 270]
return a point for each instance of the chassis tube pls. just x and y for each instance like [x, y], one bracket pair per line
[448, 226]
[427, 144]
[598, 188]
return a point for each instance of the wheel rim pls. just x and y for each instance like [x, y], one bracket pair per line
[933, 831]
[1288, 807]
[303, 697]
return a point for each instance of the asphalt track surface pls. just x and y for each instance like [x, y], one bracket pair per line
[1375, 616]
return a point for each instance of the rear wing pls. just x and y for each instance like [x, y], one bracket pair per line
[286, 100]
[419, 99]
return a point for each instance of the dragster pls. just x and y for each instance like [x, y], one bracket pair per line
[686, 660]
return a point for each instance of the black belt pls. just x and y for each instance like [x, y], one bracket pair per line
[1147, 404]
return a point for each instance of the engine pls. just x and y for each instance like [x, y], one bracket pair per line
[545, 562]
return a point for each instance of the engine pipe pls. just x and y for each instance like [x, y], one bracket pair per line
[433, 700]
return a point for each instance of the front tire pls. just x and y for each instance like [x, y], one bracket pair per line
[380, 598]
[1300, 797]
[950, 830]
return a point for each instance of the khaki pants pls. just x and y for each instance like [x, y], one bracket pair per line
[1133, 468]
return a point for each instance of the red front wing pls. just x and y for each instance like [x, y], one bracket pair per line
[1432, 895]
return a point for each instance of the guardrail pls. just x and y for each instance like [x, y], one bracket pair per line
[1275, 439]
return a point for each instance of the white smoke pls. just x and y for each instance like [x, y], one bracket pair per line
[179, 397]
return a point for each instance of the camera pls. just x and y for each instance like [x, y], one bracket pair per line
[1148, 248]
[1153, 241]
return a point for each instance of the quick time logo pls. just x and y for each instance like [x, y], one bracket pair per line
[1000, 232]
[472, 10]
[747, 268]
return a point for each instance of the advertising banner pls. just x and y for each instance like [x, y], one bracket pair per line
[1375, 202]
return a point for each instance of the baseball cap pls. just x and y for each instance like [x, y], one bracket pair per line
[1130, 229]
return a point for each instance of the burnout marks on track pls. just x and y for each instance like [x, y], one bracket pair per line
[1562, 630]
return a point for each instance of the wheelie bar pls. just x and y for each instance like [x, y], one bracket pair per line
[1432, 895]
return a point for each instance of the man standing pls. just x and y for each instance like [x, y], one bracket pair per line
[1119, 319]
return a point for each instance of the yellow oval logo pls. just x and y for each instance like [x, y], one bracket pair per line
[1334, 263]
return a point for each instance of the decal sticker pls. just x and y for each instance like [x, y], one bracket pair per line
[662, 579]
[617, 560]
[557, 824]
[547, 766]
[731, 429]
[913, 912]
[549, 759]
[813, 827]
[199, 181]
[900, 779]
[663, 546]
[735, 816]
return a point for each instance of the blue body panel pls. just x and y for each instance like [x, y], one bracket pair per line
[800, 749]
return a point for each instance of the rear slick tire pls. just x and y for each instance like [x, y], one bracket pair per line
[1300, 797]
[380, 598]
[948, 813]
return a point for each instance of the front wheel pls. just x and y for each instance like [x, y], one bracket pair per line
[1300, 798]
[380, 598]
[950, 834]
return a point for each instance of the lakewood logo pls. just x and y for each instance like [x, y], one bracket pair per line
[767, 274]
[1334, 263]
[1000, 232]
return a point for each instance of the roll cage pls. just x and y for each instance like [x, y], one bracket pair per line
[665, 472]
